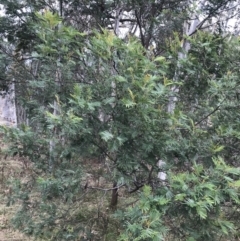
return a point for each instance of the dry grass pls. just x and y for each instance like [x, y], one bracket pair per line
[95, 198]
[9, 168]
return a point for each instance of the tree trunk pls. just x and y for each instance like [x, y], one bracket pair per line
[188, 29]
[114, 199]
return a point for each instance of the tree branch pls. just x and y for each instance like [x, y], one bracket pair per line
[106, 189]
[205, 117]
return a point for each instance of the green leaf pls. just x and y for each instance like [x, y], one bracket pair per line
[180, 197]
[147, 190]
[128, 103]
[191, 239]
[106, 135]
[120, 79]
[235, 184]
[160, 59]
[202, 212]
[110, 100]
[190, 202]
[218, 149]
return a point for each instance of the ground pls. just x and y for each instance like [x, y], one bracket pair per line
[6, 232]
[8, 168]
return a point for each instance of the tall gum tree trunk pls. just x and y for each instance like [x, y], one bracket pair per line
[8, 112]
[52, 143]
[188, 30]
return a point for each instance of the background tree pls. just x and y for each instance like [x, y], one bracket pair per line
[112, 96]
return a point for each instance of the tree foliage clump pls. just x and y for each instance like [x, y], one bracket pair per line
[98, 134]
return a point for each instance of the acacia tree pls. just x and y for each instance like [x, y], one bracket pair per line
[152, 21]
[112, 106]
[99, 120]
[191, 205]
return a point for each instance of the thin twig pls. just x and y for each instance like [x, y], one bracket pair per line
[205, 117]
[106, 189]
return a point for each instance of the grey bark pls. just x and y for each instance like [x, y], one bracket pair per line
[8, 106]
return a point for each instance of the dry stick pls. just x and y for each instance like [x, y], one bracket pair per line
[136, 188]
[107, 189]
[205, 117]
[212, 112]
